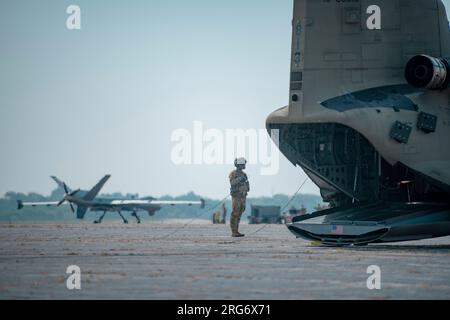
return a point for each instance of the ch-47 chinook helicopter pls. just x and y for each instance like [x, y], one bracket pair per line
[368, 118]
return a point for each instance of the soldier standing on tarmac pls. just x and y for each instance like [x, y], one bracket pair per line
[239, 189]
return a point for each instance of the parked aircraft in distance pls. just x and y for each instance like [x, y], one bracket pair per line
[86, 200]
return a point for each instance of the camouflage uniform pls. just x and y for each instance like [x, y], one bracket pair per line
[239, 189]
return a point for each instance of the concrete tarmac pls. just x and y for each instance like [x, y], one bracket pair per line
[168, 260]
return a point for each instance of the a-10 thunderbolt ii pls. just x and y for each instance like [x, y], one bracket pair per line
[86, 200]
[368, 118]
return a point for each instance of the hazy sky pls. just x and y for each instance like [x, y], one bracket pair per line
[106, 98]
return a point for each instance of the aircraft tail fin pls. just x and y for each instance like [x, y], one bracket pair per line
[96, 189]
[60, 183]
[81, 212]
[19, 204]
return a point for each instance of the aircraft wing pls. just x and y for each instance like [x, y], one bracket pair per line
[21, 204]
[201, 203]
[178, 203]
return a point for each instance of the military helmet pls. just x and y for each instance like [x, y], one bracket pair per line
[240, 163]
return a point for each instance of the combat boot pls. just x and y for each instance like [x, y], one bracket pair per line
[234, 227]
[238, 235]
